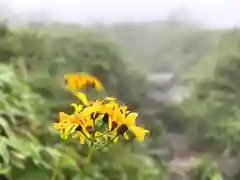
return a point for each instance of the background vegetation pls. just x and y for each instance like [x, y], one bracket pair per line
[190, 139]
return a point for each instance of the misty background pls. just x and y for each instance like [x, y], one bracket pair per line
[215, 13]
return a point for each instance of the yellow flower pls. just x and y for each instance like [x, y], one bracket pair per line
[71, 81]
[90, 118]
[123, 121]
[63, 125]
[79, 80]
[108, 111]
[82, 127]
[62, 129]
[78, 133]
[88, 127]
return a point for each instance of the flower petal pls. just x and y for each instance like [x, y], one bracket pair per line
[77, 108]
[63, 117]
[131, 119]
[110, 98]
[139, 132]
[126, 136]
[82, 138]
[116, 139]
[98, 85]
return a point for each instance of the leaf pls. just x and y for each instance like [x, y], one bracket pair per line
[27, 148]
[31, 172]
[20, 145]
[9, 116]
[18, 160]
[4, 152]
[53, 69]
[62, 159]
[82, 97]
[66, 161]
[77, 177]
[55, 155]
[6, 127]
[4, 170]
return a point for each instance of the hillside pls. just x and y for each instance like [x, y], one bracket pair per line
[161, 46]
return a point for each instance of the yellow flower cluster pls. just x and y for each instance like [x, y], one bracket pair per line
[100, 121]
[79, 80]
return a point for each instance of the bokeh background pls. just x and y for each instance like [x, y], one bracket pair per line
[175, 62]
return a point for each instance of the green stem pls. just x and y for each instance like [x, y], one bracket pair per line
[91, 150]
[103, 134]
[88, 161]
[55, 174]
[90, 155]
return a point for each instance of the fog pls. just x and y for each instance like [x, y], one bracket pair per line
[214, 13]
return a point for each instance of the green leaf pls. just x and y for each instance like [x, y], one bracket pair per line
[55, 155]
[66, 161]
[9, 116]
[4, 152]
[77, 177]
[17, 159]
[62, 159]
[27, 148]
[4, 170]
[31, 172]
[20, 145]
[6, 127]
[53, 69]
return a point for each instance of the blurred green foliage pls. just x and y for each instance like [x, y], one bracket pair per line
[206, 170]
[215, 114]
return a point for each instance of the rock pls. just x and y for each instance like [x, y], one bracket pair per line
[163, 153]
[178, 176]
[177, 142]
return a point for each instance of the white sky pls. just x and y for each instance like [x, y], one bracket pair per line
[211, 12]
